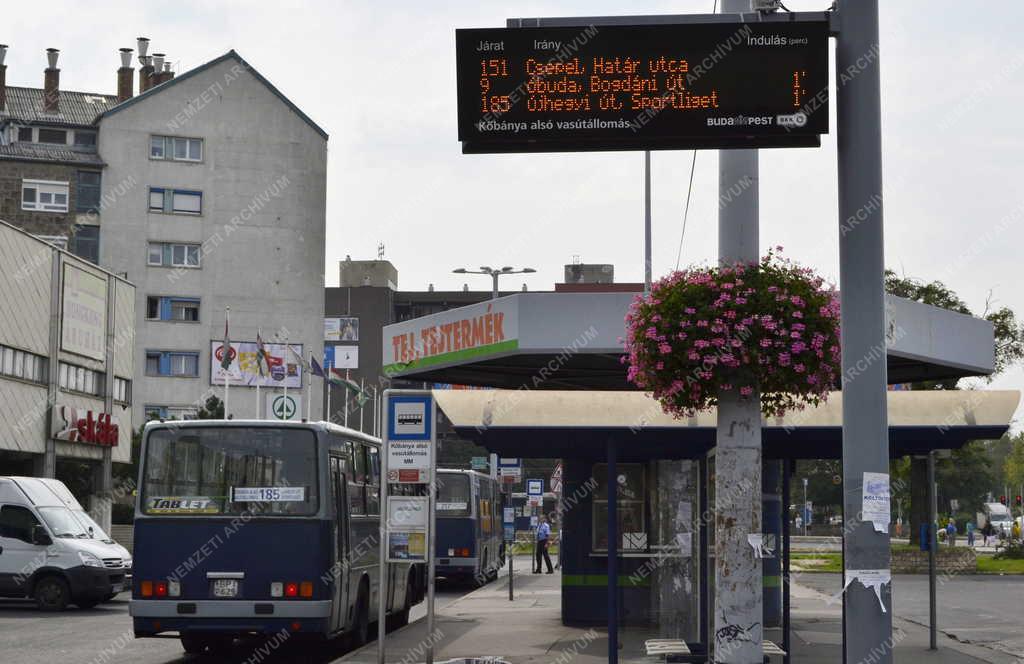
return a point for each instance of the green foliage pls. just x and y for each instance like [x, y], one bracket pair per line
[1013, 467]
[213, 409]
[1013, 550]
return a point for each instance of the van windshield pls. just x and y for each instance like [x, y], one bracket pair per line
[88, 523]
[62, 522]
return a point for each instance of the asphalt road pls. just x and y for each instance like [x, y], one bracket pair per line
[103, 635]
[985, 610]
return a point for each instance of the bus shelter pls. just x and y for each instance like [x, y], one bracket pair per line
[664, 469]
[558, 357]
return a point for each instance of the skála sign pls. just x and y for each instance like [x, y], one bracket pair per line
[78, 425]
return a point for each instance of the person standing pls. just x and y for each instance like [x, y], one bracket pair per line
[798, 523]
[970, 533]
[543, 539]
[951, 532]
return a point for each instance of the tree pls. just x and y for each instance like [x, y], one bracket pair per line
[967, 471]
[213, 409]
[1013, 468]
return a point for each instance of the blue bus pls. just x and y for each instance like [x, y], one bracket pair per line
[470, 538]
[257, 527]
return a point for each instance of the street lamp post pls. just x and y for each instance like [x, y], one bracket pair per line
[494, 274]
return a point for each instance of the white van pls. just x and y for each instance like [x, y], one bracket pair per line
[48, 554]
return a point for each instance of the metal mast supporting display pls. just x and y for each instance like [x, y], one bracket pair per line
[867, 628]
[738, 615]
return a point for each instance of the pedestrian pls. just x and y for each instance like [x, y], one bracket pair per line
[1015, 530]
[987, 532]
[543, 537]
[970, 533]
[799, 523]
[899, 527]
[951, 532]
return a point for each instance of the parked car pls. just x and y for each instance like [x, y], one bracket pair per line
[47, 554]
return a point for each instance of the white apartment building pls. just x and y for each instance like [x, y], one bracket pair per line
[227, 209]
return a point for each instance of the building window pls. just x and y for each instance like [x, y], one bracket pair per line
[25, 134]
[176, 148]
[21, 364]
[173, 255]
[122, 390]
[85, 243]
[79, 379]
[172, 308]
[172, 363]
[85, 138]
[87, 193]
[175, 201]
[55, 136]
[631, 512]
[155, 412]
[44, 195]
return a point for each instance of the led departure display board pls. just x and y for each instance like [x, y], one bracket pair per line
[708, 85]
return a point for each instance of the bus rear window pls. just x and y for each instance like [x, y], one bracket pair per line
[230, 471]
[453, 498]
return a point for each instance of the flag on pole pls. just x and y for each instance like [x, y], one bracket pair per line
[315, 368]
[225, 348]
[262, 362]
[347, 383]
[298, 358]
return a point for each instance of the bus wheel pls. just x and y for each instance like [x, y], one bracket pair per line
[402, 618]
[52, 594]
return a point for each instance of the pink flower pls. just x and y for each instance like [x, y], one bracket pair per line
[690, 310]
[746, 391]
[799, 368]
[664, 348]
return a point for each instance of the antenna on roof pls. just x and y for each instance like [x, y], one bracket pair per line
[380, 251]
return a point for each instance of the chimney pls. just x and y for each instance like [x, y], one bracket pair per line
[168, 73]
[51, 82]
[3, 77]
[146, 70]
[124, 76]
[156, 78]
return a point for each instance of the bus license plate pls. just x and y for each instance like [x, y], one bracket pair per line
[225, 587]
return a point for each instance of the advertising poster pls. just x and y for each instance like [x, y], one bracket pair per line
[408, 546]
[284, 369]
[341, 357]
[344, 328]
[83, 315]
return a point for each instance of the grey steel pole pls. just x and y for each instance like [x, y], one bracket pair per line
[431, 537]
[647, 221]
[867, 629]
[494, 292]
[382, 568]
[738, 609]
[933, 543]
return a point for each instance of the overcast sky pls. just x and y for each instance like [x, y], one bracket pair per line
[380, 78]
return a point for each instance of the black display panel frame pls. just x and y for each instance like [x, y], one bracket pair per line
[600, 88]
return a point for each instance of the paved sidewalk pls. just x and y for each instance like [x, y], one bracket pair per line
[529, 631]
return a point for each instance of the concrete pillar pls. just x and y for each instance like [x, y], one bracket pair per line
[675, 584]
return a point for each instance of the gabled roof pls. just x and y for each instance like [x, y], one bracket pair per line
[41, 152]
[75, 108]
[232, 54]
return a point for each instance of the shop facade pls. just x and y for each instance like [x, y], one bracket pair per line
[66, 339]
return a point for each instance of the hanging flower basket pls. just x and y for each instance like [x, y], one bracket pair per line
[773, 327]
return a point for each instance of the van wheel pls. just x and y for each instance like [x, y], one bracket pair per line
[52, 594]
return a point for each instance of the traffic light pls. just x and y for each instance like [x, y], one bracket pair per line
[1002, 499]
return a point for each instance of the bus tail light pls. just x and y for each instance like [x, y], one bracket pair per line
[146, 588]
[174, 588]
[291, 589]
[161, 588]
[306, 589]
[277, 589]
